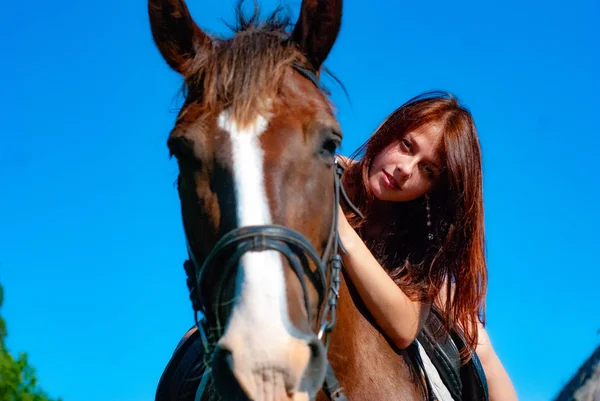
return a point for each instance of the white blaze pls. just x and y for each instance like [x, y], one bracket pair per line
[248, 176]
[260, 315]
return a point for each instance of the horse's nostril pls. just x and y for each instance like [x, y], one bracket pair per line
[224, 358]
[224, 377]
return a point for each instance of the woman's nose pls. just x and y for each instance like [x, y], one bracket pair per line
[404, 170]
[402, 174]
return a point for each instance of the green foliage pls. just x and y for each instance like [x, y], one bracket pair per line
[17, 378]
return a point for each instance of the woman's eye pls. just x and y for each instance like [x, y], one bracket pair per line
[429, 171]
[405, 144]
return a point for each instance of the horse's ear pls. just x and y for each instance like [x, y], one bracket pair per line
[317, 29]
[175, 33]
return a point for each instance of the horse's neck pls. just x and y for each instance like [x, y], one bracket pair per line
[363, 360]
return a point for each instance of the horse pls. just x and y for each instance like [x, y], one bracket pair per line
[255, 141]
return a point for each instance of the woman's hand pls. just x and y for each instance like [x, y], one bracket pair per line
[347, 234]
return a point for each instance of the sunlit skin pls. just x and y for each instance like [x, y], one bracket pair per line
[407, 169]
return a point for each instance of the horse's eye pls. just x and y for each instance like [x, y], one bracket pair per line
[183, 150]
[330, 145]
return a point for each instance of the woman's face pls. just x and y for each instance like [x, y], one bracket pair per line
[407, 169]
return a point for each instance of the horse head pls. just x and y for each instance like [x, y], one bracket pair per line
[255, 142]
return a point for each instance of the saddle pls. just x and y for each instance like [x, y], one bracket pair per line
[184, 372]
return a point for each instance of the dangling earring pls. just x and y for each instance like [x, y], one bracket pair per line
[428, 209]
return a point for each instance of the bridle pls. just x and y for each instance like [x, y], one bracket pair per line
[297, 250]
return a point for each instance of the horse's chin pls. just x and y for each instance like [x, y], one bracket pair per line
[296, 374]
[270, 385]
[263, 385]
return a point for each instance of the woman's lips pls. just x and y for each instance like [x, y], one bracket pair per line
[390, 181]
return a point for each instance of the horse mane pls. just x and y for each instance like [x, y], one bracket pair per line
[278, 21]
[246, 70]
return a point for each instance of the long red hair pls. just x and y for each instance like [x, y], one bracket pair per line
[454, 260]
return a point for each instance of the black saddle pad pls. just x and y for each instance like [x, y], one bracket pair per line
[181, 377]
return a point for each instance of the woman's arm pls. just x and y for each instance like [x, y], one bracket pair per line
[500, 386]
[400, 318]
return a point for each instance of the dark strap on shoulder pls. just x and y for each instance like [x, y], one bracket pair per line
[474, 383]
[443, 353]
[416, 360]
[464, 382]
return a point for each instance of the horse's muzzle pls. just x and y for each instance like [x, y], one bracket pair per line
[295, 373]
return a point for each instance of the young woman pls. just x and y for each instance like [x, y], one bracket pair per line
[418, 183]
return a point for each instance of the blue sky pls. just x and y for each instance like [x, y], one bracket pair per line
[91, 247]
